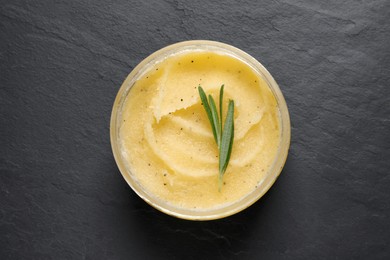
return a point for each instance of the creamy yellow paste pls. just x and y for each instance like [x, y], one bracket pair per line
[166, 136]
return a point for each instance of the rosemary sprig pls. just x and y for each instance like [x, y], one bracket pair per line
[223, 136]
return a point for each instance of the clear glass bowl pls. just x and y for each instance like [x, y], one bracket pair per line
[263, 186]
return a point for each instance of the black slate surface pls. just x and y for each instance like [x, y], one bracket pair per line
[62, 63]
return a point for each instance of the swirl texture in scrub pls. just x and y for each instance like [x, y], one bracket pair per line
[166, 137]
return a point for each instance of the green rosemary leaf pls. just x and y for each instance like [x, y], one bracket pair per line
[221, 105]
[226, 142]
[206, 106]
[216, 123]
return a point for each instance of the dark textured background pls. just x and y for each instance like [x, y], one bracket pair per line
[62, 63]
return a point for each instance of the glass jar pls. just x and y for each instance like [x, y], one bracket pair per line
[263, 185]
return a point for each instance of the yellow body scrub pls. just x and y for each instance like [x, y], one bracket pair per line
[163, 141]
